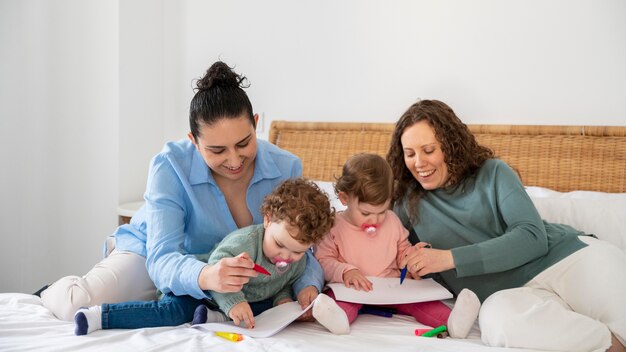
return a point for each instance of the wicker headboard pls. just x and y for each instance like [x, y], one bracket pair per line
[562, 158]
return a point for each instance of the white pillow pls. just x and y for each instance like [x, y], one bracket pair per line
[329, 188]
[598, 213]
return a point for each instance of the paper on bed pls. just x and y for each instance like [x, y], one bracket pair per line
[389, 291]
[266, 324]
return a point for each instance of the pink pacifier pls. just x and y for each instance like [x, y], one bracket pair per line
[369, 228]
[281, 264]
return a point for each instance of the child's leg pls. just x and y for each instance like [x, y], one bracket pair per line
[459, 320]
[433, 313]
[171, 310]
[351, 309]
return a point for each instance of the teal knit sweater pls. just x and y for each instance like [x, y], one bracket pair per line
[496, 235]
[250, 240]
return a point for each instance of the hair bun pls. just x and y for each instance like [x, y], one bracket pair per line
[220, 75]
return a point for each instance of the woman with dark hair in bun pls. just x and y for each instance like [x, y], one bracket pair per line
[199, 190]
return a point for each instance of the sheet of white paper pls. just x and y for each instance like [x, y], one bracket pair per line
[266, 324]
[389, 291]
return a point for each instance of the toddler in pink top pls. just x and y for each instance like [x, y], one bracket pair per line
[368, 239]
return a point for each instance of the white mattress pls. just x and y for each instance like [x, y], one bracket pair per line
[26, 325]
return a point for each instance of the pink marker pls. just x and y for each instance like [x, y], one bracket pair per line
[261, 269]
[419, 332]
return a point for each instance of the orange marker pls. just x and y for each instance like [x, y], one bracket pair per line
[234, 337]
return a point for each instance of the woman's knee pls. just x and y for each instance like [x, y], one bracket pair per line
[499, 313]
[65, 297]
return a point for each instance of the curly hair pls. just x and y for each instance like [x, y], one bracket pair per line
[462, 153]
[368, 177]
[304, 206]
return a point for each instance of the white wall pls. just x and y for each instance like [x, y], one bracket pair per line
[492, 61]
[141, 92]
[90, 90]
[59, 135]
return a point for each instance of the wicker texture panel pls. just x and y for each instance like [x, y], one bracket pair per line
[562, 158]
[324, 147]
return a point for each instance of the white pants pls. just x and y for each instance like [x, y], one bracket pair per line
[122, 276]
[573, 305]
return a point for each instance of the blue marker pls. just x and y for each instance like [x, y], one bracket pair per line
[374, 311]
[402, 274]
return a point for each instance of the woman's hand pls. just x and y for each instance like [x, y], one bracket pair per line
[355, 278]
[305, 297]
[228, 274]
[423, 260]
[242, 312]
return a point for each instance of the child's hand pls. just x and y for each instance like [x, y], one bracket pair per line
[359, 281]
[242, 312]
[305, 297]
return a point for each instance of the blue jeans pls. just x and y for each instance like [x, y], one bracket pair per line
[171, 310]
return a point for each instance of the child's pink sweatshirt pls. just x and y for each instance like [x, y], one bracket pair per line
[348, 247]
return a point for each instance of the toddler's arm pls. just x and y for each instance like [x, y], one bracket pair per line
[328, 255]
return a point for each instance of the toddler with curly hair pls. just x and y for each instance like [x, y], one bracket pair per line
[296, 215]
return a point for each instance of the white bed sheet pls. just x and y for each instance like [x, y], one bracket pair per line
[25, 325]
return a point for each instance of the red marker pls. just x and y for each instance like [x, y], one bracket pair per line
[261, 269]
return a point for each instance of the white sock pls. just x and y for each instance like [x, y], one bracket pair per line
[216, 316]
[87, 320]
[203, 314]
[463, 314]
[330, 315]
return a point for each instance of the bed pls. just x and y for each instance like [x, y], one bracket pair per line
[573, 174]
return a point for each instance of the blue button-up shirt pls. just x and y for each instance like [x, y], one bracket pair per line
[185, 213]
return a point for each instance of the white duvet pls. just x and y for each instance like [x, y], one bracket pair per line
[25, 325]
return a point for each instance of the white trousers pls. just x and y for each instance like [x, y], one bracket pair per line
[121, 276]
[573, 305]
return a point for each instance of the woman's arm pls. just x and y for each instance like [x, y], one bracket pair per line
[498, 230]
[515, 234]
[171, 270]
[236, 246]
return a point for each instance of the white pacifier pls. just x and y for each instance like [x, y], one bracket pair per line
[281, 265]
